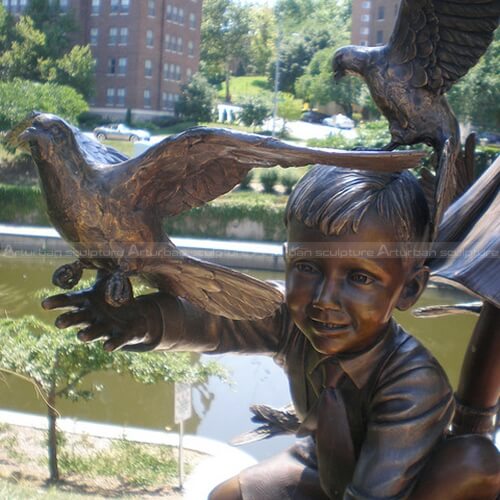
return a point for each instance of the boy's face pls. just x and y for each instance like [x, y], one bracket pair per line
[343, 303]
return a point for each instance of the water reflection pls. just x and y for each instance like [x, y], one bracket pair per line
[220, 411]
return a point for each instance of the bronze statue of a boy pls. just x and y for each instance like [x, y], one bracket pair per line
[373, 402]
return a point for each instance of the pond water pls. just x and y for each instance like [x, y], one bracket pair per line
[220, 410]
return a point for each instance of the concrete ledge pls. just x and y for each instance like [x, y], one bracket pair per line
[223, 461]
[238, 254]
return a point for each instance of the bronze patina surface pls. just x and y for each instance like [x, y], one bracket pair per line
[111, 209]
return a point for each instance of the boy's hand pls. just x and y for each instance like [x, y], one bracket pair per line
[138, 322]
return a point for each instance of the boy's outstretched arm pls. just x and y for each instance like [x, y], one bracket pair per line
[162, 322]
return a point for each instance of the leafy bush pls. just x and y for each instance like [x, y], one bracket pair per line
[288, 179]
[373, 134]
[269, 178]
[253, 113]
[245, 183]
[197, 100]
[18, 98]
[89, 120]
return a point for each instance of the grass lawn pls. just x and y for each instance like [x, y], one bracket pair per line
[244, 87]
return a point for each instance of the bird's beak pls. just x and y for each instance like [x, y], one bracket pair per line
[27, 135]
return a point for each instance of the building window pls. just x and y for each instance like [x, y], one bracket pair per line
[122, 66]
[180, 17]
[365, 18]
[190, 48]
[111, 66]
[192, 21]
[96, 7]
[165, 71]
[63, 5]
[94, 35]
[363, 43]
[178, 76]
[169, 12]
[6, 4]
[112, 36]
[124, 6]
[110, 97]
[180, 45]
[120, 97]
[149, 38]
[381, 13]
[115, 6]
[123, 36]
[380, 37]
[24, 3]
[147, 98]
[365, 30]
[151, 8]
[148, 68]
[169, 100]
[189, 73]
[366, 5]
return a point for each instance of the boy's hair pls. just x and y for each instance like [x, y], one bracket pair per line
[334, 200]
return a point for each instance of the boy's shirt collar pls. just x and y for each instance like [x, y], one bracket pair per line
[359, 366]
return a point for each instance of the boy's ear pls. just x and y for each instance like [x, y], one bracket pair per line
[413, 288]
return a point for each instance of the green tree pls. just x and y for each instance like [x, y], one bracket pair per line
[308, 26]
[57, 364]
[26, 53]
[38, 47]
[224, 34]
[6, 29]
[253, 113]
[20, 97]
[476, 98]
[197, 100]
[317, 86]
[76, 69]
[262, 39]
[58, 27]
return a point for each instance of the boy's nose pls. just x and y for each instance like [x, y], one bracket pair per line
[328, 296]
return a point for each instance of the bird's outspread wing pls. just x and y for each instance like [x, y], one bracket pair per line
[215, 289]
[200, 164]
[435, 42]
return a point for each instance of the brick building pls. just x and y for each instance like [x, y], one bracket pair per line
[373, 21]
[144, 50]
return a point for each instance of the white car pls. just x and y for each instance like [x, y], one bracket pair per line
[339, 121]
[121, 131]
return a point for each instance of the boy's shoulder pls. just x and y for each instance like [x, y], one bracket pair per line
[405, 357]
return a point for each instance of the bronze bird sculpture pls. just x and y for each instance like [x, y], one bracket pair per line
[433, 45]
[110, 209]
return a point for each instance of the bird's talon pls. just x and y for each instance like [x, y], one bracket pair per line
[118, 290]
[67, 276]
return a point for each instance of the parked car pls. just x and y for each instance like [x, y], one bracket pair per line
[121, 132]
[488, 138]
[313, 116]
[339, 121]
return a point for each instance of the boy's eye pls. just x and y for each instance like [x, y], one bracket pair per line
[361, 278]
[305, 267]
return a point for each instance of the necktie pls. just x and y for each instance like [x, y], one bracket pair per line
[334, 445]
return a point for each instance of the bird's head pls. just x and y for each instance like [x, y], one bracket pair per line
[349, 60]
[47, 135]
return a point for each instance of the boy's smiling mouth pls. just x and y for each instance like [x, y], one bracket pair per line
[329, 327]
